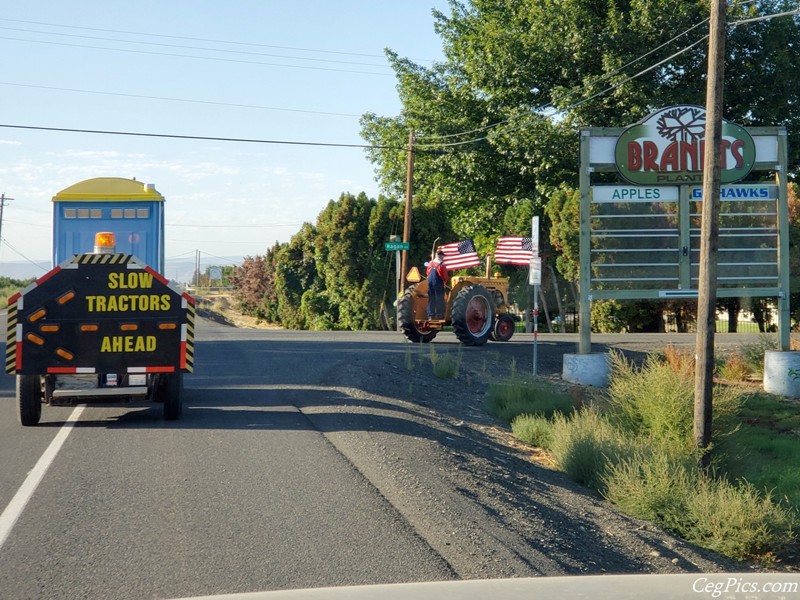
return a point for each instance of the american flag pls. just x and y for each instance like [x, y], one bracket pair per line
[513, 250]
[460, 255]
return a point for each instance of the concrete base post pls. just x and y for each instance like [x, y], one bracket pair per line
[587, 369]
[782, 373]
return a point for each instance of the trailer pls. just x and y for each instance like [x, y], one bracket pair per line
[102, 327]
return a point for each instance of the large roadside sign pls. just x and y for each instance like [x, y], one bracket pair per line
[640, 234]
[100, 313]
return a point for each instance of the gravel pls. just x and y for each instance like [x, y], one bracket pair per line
[488, 504]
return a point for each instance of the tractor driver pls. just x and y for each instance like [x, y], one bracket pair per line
[437, 276]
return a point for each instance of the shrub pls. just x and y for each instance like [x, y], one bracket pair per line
[653, 486]
[656, 401]
[534, 430]
[733, 519]
[585, 444]
[737, 520]
[680, 361]
[735, 368]
[509, 399]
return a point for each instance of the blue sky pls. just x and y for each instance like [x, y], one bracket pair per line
[299, 71]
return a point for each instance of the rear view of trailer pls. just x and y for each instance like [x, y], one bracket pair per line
[100, 327]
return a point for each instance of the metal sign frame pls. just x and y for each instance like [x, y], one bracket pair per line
[597, 148]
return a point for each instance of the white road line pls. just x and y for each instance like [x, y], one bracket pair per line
[24, 493]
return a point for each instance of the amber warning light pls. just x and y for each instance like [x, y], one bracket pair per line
[104, 242]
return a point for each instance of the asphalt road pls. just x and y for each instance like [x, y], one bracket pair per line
[267, 482]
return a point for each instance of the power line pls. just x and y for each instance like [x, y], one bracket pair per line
[185, 47]
[200, 137]
[213, 58]
[602, 78]
[208, 102]
[488, 128]
[196, 39]
[21, 255]
[270, 225]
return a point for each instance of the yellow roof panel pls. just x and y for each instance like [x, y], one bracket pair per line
[114, 189]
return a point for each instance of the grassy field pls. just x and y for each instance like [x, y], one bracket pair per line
[765, 449]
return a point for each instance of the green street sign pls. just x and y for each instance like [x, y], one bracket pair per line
[395, 246]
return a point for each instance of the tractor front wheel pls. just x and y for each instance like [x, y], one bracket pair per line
[473, 315]
[407, 319]
[503, 328]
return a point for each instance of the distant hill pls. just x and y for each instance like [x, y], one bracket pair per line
[180, 270]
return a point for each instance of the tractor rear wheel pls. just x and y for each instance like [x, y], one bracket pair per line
[503, 328]
[407, 319]
[473, 315]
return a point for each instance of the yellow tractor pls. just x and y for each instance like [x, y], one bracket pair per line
[476, 307]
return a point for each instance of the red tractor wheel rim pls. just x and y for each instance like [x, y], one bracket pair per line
[477, 315]
[504, 327]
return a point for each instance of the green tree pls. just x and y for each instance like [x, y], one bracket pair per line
[497, 121]
[296, 272]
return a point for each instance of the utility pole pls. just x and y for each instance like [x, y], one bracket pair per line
[407, 216]
[197, 268]
[3, 201]
[709, 235]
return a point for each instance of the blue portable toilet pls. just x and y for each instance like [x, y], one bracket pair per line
[132, 210]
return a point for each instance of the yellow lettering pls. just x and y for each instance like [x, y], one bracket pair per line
[129, 303]
[128, 343]
[131, 280]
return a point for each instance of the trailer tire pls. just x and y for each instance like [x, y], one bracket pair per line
[473, 315]
[173, 396]
[405, 317]
[29, 399]
[503, 328]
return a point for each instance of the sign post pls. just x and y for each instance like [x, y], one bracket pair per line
[535, 279]
[396, 246]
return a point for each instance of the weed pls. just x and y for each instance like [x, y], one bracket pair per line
[656, 401]
[680, 361]
[535, 430]
[735, 368]
[585, 444]
[408, 360]
[447, 366]
[737, 520]
[753, 354]
[734, 519]
[651, 486]
[508, 399]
